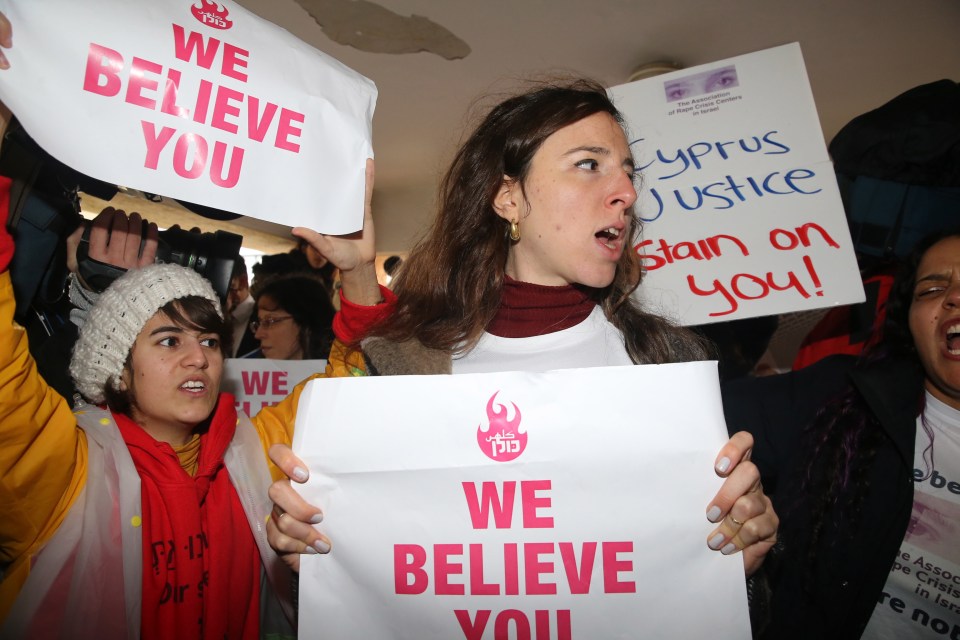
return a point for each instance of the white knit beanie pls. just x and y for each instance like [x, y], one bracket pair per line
[118, 316]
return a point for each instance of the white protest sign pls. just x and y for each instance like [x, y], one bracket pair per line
[196, 100]
[742, 215]
[260, 382]
[517, 505]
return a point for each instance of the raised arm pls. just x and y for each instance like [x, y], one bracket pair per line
[40, 445]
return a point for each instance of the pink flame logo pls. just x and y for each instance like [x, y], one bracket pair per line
[502, 440]
[210, 14]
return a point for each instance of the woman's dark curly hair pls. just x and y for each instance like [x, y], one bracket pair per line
[845, 436]
[305, 297]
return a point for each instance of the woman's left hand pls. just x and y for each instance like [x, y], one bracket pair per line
[747, 521]
[6, 39]
[291, 528]
[354, 254]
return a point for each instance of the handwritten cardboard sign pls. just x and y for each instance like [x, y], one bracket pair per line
[741, 211]
[517, 505]
[192, 99]
[260, 382]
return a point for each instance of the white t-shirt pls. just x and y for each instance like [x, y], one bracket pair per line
[922, 596]
[592, 343]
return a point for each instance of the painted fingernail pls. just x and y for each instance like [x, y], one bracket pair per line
[714, 514]
[322, 546]
[730, 548]
[723, 465]
[311, 551]
[300, 474]
[715, 541]
[317, 518]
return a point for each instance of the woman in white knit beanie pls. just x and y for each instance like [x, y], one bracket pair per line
[143, 518]
[136, 336]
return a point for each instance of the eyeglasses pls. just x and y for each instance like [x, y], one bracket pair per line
[266, 323]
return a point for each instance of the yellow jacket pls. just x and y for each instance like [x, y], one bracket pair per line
[43, 453]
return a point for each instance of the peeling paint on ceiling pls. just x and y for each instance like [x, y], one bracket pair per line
[369, 27]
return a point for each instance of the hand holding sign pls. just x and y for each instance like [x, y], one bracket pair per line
[290, 528]
[6, 40]
[353, 254]
[749, 521]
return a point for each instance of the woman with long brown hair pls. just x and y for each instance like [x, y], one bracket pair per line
[528, 266]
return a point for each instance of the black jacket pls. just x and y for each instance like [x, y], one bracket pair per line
[837, 597]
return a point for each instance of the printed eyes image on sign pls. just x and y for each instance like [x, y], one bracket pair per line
[196, 100]
[741, 212]
[702, 83]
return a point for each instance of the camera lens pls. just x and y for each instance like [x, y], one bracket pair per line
[210, 254]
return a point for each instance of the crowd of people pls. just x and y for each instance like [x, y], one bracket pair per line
[830, 476]
[285, 315]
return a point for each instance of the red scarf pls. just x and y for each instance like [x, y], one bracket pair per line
[528, 310]
[201, 566]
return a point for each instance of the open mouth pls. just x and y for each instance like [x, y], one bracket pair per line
[953, 340]
[610, 237]
[194, 386]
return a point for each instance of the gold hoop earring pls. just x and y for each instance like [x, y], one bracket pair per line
[515, 231]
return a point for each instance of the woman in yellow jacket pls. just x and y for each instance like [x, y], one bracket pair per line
[146, 517]
[144, 513]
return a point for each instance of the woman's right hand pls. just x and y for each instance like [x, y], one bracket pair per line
[755, 532]
[290, 528]
[6, 40]
[118, 239]
[354, 254]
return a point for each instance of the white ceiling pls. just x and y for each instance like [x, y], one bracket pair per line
[858, 53]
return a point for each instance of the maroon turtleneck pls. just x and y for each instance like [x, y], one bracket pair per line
[528, 310]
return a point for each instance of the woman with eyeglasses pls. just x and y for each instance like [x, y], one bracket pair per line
[294, 318]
